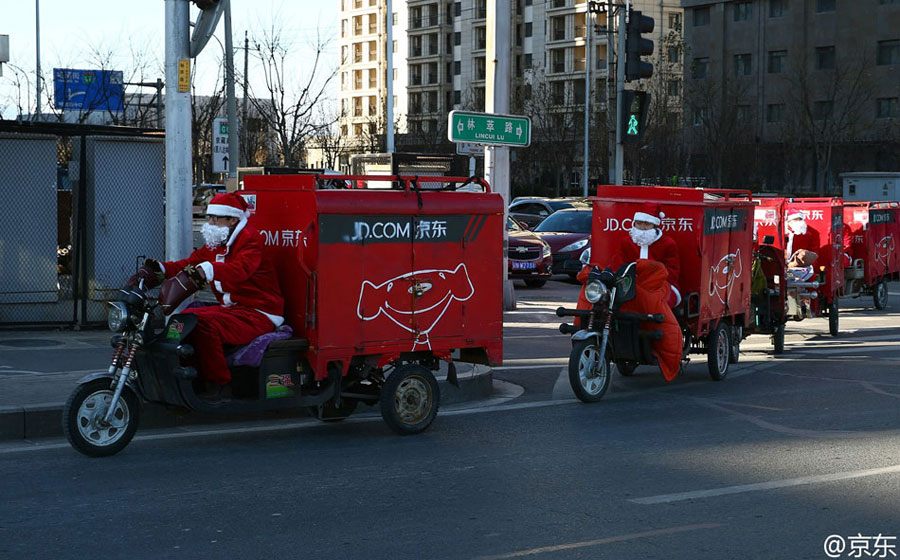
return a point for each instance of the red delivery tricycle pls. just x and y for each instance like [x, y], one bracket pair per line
[768, 295]
[381, 285]
[713, 232]
[871, 233]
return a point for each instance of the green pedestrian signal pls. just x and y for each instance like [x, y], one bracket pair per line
[634, 114]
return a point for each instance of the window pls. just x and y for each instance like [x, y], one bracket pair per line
[558, 60]
[776, 61]
[519, 34]
[529, 29]
[457, 97]
[823, 6]
[558, 27]
[700, 68]
[479, 68]
[743, 64]
[449, 73]
[822, 110]
[699, 116]
[457, 68]
[701, 16]
[775, 112]
[528, 63]
[558, 92]
[776, 8]
[457, 9]
[887, 108]
[457, 38]
[480, 38]
[888, 52]
[743, 11]
[673, 54]
[675, 21]
[673, 88]
[825, 58]
[373, 78]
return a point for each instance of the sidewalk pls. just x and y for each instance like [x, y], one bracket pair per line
[40, 368]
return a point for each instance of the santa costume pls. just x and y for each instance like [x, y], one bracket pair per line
[244, 283]
[656, 247]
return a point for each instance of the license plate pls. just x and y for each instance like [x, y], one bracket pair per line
[523, 265]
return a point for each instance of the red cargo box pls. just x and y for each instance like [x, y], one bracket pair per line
[871, 235]
[713, 231]
[825, 216]
[382, 273]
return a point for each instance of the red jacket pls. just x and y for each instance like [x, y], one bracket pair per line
[238, 273]
[662, 250]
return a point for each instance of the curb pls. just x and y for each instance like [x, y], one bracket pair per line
[45, 420]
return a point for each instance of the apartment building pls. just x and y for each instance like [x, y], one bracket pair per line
[440, 56]
[835, 60]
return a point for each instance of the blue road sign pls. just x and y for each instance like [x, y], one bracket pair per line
[88, 90]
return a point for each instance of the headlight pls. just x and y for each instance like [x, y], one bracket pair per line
[117, 317]
[546, 251]
[594, 291]
[585, 257]
[574, 246]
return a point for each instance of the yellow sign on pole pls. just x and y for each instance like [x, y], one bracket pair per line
[184, 75]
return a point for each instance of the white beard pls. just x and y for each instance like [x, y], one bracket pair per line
[644, 237]
[799, 228]
[214, 236]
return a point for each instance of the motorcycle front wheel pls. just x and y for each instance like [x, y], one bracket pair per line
[588, 377]
[83, 419]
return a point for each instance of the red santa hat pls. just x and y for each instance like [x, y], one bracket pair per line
[230, 204]
[795, 215]
[645, 217]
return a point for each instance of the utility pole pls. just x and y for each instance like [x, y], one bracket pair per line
[620, 89]
[37, 31]
[178, 131]
[229, 93]
[244, 105]
[496, 159]
[610, 95]
[588, 31]
[389, 76]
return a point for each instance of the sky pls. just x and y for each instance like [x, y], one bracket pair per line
[71, 31]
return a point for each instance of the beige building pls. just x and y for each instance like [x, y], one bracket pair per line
[439, 59]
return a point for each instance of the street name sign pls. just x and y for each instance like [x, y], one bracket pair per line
[470, 149]
[489, 129]
[220, 146]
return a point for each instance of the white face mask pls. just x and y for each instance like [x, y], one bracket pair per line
[643, 237]
[798, 227]
[214, 236]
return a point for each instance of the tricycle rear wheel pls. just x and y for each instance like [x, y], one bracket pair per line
[734, 350]
[83, 415]
[409, 399]
[588, 376]
[718, 350]
[880, 294]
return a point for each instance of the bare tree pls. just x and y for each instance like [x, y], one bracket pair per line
[204, 110]
[288, 105]
[824, 108]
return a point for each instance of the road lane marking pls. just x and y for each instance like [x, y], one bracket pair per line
[770, 485]
[607, 540]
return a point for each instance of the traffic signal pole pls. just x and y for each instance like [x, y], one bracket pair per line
[620, 89]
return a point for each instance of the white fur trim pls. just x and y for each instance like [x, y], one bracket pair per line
[644, 217]
[207, 270]
[677, 294]
[234, 234]
[645, 252]
[276, 319]
[795, 215]
[225, 210]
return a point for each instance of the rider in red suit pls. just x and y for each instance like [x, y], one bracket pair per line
[243, 281]
[646, 241]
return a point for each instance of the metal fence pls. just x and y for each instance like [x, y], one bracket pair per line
[83, 204]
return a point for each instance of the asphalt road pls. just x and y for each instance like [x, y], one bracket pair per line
[765, 464]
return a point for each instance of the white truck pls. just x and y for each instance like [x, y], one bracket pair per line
[871, 185]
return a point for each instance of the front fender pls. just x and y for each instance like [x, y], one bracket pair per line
[101, 374]
[585, 334]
